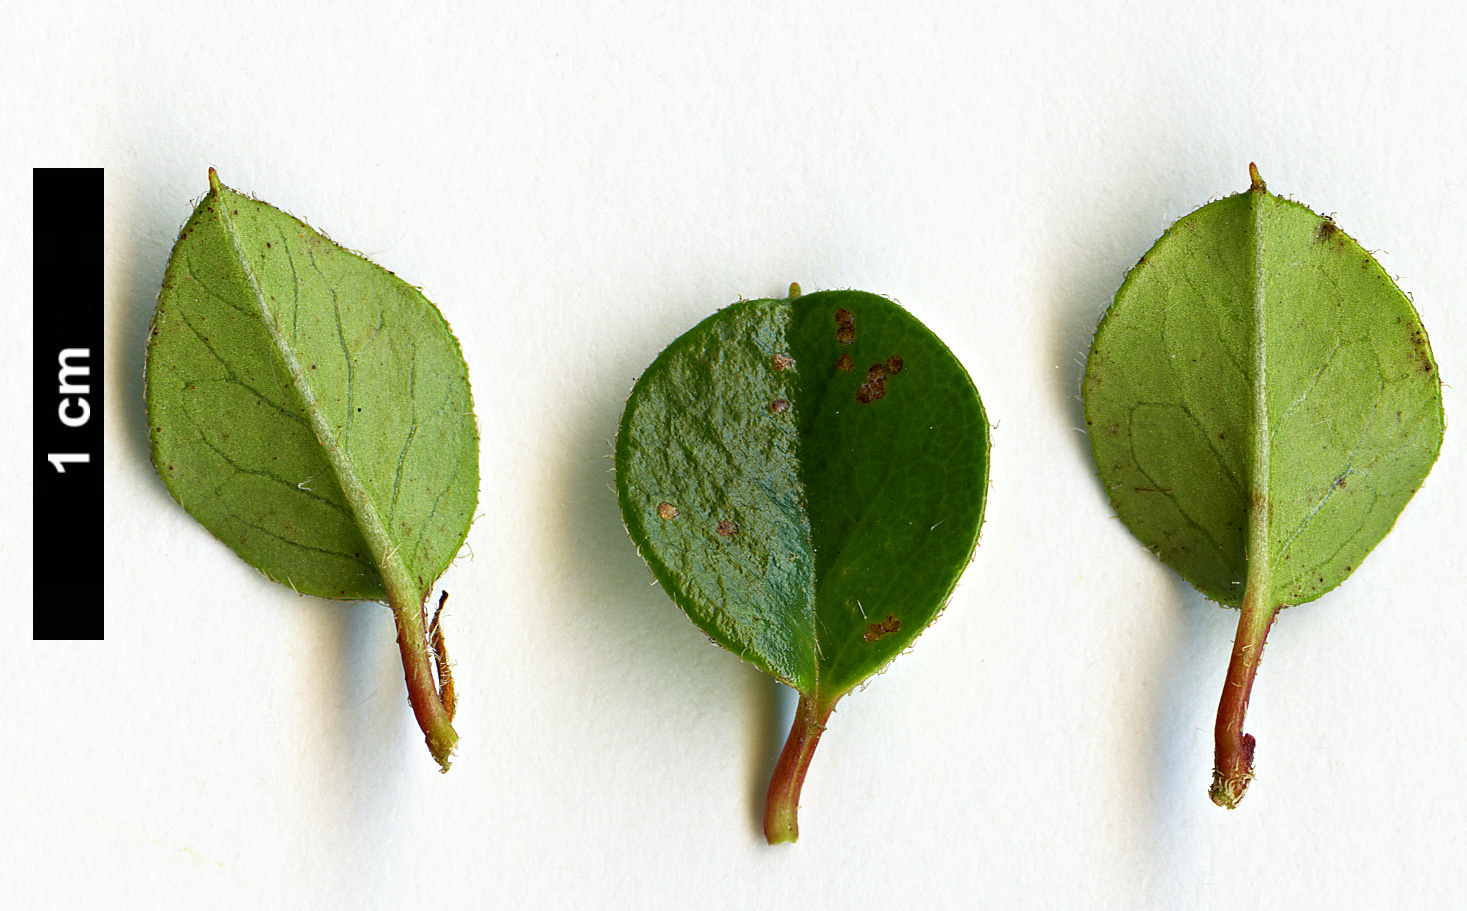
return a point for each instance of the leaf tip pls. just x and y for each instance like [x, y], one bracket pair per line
[1256, 185]
[214, 184]
[794, 290]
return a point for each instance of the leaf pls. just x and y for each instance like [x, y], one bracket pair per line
[806, 479]
[1262, 403]
[312, 411]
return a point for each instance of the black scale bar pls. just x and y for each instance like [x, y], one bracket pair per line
[67, 466]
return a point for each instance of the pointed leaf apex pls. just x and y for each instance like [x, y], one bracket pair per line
[794, 290]
[214, 184]
[1253, 175]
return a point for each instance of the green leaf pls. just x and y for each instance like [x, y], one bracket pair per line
[806, 479]
[1262, 403]
[312, 411]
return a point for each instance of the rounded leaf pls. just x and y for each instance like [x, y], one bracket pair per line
[806, 478]
[1259, 366]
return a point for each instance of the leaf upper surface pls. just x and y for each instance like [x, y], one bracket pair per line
[806, 478]
[1257, 356]
[308, 407]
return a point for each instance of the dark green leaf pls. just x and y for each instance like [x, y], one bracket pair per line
[806, 478]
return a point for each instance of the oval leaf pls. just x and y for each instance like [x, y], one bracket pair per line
[312, 411]
[806, 479]
[1262, 403]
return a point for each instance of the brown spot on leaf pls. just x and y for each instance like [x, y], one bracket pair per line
[779, 406]
[727, 529]
[666, 511]
[876, 631]
[845, 326]
[845, 363]
[1423, 353]
[1326, 230]
[783, 362]
[874, 387]
[893, 364]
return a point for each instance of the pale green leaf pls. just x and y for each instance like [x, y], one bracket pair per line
[1262, 403]
[310, 408]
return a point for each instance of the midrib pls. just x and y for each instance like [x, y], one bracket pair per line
[384, 552]
[1259, 505]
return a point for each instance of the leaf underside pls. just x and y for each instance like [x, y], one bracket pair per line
[308, 407]
[806, 478]
[1254, 303]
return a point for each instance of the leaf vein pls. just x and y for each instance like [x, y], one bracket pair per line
[233, 377]
[261, 473]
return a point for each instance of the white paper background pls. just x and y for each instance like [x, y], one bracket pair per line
[575, 185]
